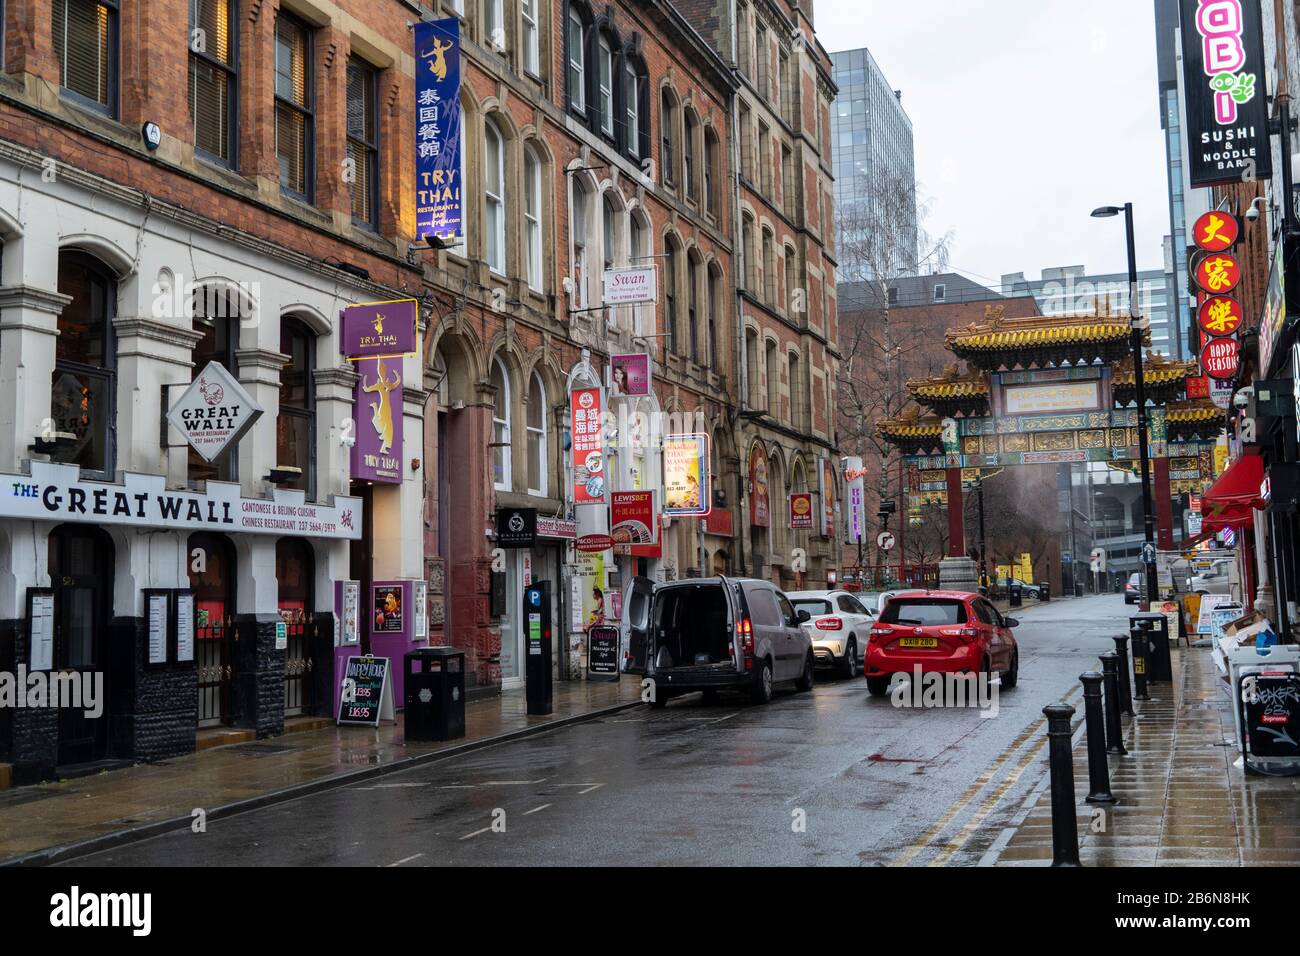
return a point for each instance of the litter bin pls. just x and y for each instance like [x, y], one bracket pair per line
[1078, 589]
[1014, 597]
[1044, 591]
[435, 693]
[1156, 628]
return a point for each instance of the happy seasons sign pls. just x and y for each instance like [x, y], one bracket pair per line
[57, 493]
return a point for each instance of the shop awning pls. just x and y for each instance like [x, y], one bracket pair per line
[1236, 488]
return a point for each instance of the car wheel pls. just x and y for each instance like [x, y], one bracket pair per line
[849, 666]
[805, 681]
[1010, 678]
[761, 693]
[710, 696]
[658, 701]
[878, 686]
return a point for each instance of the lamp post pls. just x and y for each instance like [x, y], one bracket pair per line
[1135, 341]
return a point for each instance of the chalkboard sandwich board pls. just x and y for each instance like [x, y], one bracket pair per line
[367, 696]
[602, 653]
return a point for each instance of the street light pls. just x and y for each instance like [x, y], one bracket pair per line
[1135, 340]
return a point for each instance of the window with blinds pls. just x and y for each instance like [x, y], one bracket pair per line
[293, 105]
[363, 141]
[85, 44]
[212, 78]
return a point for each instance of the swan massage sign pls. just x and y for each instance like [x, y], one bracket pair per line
[376, 336]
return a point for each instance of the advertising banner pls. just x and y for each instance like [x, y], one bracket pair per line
[801, 512]
[214, 411]
[629, 286]
[1273, 320]
[380, 329]
[686, 474]
[760, 509]
[629, 375]
[632, 517]
[589, 582]
[437, 129]
[1227, 105]
[855, 499]
[377, 408]
[588, 454]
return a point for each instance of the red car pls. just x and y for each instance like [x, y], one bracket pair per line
[943, 631]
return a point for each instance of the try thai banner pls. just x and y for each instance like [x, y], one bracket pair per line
[437, 129]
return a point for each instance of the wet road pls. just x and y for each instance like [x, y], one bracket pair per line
[831, 777]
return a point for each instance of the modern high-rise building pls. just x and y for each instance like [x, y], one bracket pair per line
[875, 164]
[1167, 69]
[1065, 289]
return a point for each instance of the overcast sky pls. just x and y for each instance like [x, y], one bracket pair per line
[1027, 115]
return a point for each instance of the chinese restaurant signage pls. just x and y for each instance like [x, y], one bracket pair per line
[1219, 315]
[801, 511]
[1220, 358]
[1216, 231]
[588, 453]
[686, 474]
[437, 129]
[56, 492]
[1218, 273]
[380, 329]
[214, 411]
[1227, 104]
[377, 408]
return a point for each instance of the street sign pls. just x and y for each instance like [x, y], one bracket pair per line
[1148, 553]
[885, 541]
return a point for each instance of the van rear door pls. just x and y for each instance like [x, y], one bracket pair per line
[638, 619]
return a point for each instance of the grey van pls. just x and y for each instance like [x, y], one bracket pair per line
[712, 634]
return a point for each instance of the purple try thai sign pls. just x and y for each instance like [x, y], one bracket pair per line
[377, 405]
[380, 329]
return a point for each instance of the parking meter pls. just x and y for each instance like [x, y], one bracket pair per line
[537, 647]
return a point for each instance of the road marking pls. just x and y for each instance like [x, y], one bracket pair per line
[509, 783]
[407, 859]
[535, 809]
[594, 786]
[475, 833]
[590, 786]
[924, 840]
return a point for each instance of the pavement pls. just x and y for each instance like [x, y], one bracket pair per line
[1183, 797]
[828, 777]
[46, 822]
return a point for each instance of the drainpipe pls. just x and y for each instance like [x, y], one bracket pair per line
[737, 270]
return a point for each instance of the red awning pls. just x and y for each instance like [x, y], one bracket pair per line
[1236, 488]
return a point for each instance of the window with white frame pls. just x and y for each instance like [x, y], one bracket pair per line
[577, 61]
[610, 215]
[533, 219]
[632, 95]
[532, 47]
[605, 77]
[536, 424]
[639, 253]
[578, 229]
[494, 207]
[494, 23]
[501, 427]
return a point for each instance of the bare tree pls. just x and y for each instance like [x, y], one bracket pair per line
[881, 240]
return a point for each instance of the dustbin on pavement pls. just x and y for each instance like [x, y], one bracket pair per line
[1014, 597]
[1156, 629]
[1044, 591]
[434, 692]
[1078, 589]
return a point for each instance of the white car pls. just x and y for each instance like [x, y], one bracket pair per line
[839, 626]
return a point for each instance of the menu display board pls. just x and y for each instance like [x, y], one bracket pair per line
[156, 621]
[40, 617]
[184, 626]
[602, 653]
[367, 691]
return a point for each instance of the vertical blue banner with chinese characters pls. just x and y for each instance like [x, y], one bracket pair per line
[437, 129]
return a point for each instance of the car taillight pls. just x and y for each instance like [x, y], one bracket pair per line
[829, 624]
[745, 631]
[969, 633]
[879, 634]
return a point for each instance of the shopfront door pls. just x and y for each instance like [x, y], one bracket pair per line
[212, 578]
[81, 573]
[293, 572]
[512, 638]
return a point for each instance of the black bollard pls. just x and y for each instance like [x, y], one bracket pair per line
[1139, 664]
[1125, 694]
[1114, 729]
[1098, 770]
[1065, 829]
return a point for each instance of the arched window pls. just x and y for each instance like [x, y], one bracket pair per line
[712, 172]
[791, 282]
[501, 478]
[639, 255]
[215, 316]
[754, 393]
[773, 380]
[295, 428]
[537, 437]
[579, 210]
[714, 306]
[796, 391]
[494, 205]
[605, 85]
[750, 253]
[690, 182]
[83, 393]
[693, 306]
[667, 136]
[769, 269]
[636, 135]
[577, 53]
[610, 215]
[533, 219]
[670, 297]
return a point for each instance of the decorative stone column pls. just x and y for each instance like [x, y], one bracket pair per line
[28, 328]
